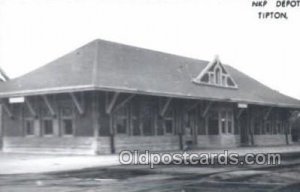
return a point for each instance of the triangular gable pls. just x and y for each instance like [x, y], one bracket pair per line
[215, 74]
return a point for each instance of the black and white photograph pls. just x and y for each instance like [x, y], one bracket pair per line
[149, 95]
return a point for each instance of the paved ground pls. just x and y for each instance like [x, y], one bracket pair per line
[23, 172]
[11, 163]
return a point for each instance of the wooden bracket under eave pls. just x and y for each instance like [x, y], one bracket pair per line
[49, 105]
[240, 112]
[207, 108]
[109, 104]
[30, 107]
[193, 106]
[266, 116]
[122, 103]
[165, 107]
[7, 110]
[77, 103]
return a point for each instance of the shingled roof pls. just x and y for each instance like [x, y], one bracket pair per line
[104, 65]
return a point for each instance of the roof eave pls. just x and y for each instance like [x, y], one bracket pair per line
[136, 91]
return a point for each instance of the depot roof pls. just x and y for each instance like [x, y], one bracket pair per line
[104, 65]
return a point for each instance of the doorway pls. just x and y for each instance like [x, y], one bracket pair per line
[242, 126]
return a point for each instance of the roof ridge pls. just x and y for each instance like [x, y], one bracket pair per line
[152, 50]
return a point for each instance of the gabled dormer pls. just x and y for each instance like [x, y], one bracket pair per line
[215, 74]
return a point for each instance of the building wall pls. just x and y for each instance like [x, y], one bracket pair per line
[71, 145]
[82, 141]
[271, 140]
[137, 125]
[270, 128]
[157, 143]
[218, 141]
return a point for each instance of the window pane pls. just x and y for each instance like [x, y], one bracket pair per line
[280, 128]
[223, 80]
[201, 127]
[213, 123]
[147, 118]
[121, 120]
[68, 126]
[211, 78]
[169, 126]
[147, 126]
[268, 128]
[230, 82]
[275, 130]
[205, 78]
[48, 127]
[256, 128]
[223, 124]
[218, 76]
[135, 127]
[29, 128]
[229, 126]
[121, 126]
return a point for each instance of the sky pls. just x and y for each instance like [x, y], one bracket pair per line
[36, 32]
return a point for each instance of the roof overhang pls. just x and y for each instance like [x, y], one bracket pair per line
[83, 88]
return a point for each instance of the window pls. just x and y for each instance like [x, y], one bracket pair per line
[68, 127]
[223, 80]
[169, 126]
[213, 123]
[211, 78]
[268, 128]
[135, 126]
[287, 128]
[257, 128]
[229, 122]
[148, 128]
[67, 119]
[47, 127]
[169, 121]
[218, 76]
[275, 130]
[279, 128]
[121, 120]
[29, 127]
[222, 118]
[205, 78]
[147, 118]
[201, 127]
[121, 126]
[215, 74]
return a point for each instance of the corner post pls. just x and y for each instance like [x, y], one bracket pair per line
[95, 112]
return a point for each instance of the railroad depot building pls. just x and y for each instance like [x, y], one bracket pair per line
[106, 97]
